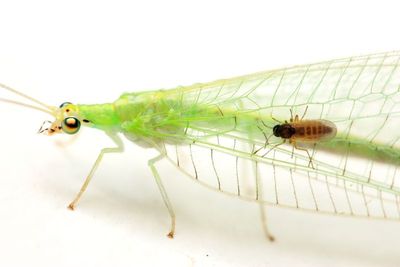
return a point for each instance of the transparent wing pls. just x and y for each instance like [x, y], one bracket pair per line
[356, 173]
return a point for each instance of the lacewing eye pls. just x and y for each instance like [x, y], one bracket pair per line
[71, 125]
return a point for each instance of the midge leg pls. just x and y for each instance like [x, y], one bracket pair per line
[120, 148]
[278, 121]
[304, 114]
[306, 150]
[291, 115]
[296, 118]
[272, 148]
[164, 195]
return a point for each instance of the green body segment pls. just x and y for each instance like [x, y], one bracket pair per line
[165, 116]
[159, 115]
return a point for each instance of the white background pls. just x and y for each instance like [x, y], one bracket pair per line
[91, 52]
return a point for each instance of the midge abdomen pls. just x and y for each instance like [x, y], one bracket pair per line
[313, 130]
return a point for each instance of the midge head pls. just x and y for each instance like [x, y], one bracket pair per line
[285, 130]
[67, 118]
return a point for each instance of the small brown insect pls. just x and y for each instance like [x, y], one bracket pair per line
[305, 131]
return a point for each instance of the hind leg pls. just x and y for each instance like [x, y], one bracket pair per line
[293, 142]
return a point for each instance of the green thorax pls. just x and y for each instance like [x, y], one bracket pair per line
[154, 114]
[158, 114]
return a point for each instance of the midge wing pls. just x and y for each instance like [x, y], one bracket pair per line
[355, 173]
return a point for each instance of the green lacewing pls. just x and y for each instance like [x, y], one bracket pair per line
[229, 134]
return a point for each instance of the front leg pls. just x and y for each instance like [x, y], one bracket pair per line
[118, 149]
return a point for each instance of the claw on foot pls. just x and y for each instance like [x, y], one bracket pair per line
[171, 235]
[71, 206]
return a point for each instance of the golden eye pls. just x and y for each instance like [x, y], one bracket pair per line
[71, 125]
